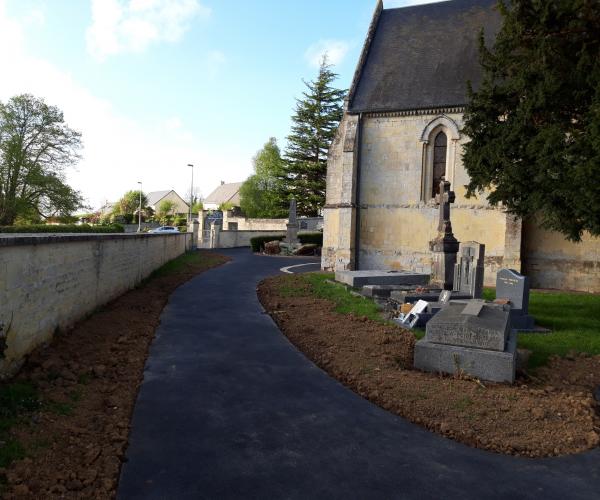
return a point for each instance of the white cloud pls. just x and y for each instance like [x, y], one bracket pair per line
[132, 25]
[336, 50]
[118, 150]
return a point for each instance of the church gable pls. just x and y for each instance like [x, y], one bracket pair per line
[421, 57]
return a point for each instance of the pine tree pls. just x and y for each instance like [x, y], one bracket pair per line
[534, 123]
[315, 121]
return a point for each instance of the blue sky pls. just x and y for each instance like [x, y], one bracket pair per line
[156, 84]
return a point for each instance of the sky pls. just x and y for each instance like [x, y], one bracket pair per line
[155, 85]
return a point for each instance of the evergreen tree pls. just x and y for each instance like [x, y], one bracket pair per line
[315, 121]
[534, 123]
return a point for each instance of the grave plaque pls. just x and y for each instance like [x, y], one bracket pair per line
[514, 287]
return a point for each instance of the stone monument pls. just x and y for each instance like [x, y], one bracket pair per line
[469, 270]
[471, 337]
[514, 287]
[292, 225]
[445, 245]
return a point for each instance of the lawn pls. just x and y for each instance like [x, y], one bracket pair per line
[574, 318]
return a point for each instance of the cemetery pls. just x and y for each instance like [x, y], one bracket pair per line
[465, 373]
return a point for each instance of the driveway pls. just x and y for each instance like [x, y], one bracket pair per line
[230, 409]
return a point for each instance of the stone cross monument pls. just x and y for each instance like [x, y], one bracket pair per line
[292, 225]
[445, 245]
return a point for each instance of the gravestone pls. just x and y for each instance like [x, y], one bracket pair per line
[291, 237]
[469, 336]
[514, 287]
[445, 246]
[469, 269]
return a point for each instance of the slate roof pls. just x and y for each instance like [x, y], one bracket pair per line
[225, 193]
[155, 196]
[421, 57]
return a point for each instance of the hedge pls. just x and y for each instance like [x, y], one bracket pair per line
[258, 242]
[315, 238]
[62, 228]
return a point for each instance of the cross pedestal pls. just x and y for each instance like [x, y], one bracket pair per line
[445, 246]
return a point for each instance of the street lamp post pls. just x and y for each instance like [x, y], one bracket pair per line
[191, 194]
[140, 210]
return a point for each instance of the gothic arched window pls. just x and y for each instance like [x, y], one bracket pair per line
[440, 147]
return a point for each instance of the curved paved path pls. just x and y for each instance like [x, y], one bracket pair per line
[230, 409]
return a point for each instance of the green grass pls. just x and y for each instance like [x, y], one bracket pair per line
[345, 302]
[181, 263]
[574, 319]
[16, 399]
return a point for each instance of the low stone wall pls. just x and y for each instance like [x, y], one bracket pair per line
[48, 282]
[246, 224]
[235, 239]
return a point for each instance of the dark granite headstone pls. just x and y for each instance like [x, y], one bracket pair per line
[514, 286]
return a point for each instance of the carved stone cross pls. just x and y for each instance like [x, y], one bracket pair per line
[444, 198]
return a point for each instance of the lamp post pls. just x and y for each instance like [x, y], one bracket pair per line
[191, 194]
[140, 210]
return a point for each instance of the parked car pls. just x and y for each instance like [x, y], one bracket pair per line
[164, 229]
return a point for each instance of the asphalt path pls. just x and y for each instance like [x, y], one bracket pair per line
[230, 409]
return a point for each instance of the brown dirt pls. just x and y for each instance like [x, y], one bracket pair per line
[552, 414]
[89, 378]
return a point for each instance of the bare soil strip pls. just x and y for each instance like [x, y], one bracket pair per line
[88, 379]
[551, 414]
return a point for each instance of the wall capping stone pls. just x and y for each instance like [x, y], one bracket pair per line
[18, 239]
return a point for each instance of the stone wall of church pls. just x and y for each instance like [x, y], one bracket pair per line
[396, 222]
[553, 262]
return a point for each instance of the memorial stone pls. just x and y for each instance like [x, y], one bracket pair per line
[469, 270]
[469, 336]
[292, 225]
[514, 287]
[445, 246]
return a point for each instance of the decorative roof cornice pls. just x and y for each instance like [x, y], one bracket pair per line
[415, 112]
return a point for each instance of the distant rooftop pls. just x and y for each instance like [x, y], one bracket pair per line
[421, 57]
[225, 193]
[155, 196]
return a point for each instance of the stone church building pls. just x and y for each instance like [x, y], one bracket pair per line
[401, 132]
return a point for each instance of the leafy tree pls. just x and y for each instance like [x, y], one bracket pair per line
[166, 210]
[534, 123]
[262, 195]
[130, 203]
[36, 147]
[315, 121]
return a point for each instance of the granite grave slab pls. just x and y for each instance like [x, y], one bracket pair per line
[358, 279]
[470, 324]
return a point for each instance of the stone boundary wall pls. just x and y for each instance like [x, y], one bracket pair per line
[48, 282]
[246, 224]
